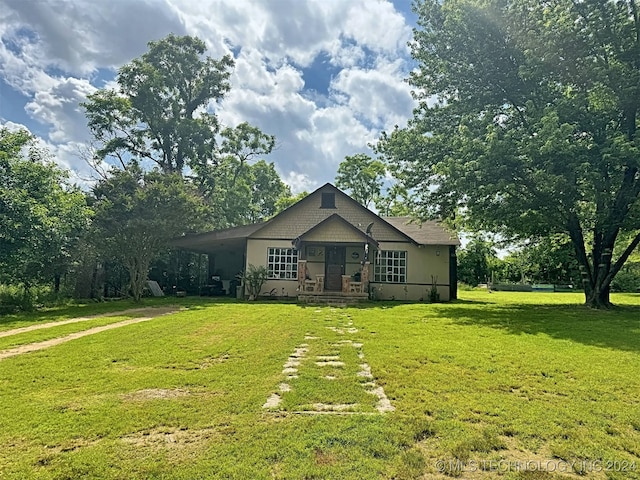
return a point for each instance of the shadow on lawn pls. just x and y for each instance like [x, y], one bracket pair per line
[618, 328]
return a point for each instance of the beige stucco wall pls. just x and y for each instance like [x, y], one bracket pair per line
[257, 255]
[422, 262]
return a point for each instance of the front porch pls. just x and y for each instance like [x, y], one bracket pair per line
[333, 286]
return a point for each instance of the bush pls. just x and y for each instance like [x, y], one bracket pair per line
[253, 279]
[627, 280]
[14, 298]
[465, 287]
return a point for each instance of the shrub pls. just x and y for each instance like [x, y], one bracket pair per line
[627, 280]
[253, 279]
[14, 298]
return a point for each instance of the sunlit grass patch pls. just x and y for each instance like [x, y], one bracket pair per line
[493, 377]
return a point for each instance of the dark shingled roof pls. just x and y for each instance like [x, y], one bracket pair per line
[200, 240]
[425, 233]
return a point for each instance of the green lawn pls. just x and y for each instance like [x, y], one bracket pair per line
[490, 382]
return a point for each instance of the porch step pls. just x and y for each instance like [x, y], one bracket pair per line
[336, 299]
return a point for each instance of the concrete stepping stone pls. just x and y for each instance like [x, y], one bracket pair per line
[273, 401]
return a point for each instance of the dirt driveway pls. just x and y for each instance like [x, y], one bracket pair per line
[147, 314]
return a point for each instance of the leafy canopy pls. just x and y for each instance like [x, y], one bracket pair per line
[41, 214]
[160, 113]
[137, 213]
[362, 177]
[527, 123]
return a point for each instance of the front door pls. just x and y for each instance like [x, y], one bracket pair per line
[334, 268]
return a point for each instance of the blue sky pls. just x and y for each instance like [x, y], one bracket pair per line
[324, 76]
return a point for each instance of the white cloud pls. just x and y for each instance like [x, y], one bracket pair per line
[81, 35]
[13, 127]
[379, 94]
[379, 26]
[299, 182]
[56, 53]
[59, 106]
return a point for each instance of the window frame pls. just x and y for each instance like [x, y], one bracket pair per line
[282, 263]
[328, 200]
[393, 273]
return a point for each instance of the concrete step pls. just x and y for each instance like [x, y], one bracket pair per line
[336, 300]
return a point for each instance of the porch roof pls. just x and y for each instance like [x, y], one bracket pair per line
[234, 237]
[345, 226]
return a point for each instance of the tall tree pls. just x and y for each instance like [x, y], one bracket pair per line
[160, 112]
[362, 177]
[137, 213]
[527, 123]
[396, 201]
[239, 193]
[41, 214]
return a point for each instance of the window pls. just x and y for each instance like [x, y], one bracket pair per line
[328, 200]
[282, 263]
[390, 266]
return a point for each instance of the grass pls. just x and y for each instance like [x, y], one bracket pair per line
[501, 377]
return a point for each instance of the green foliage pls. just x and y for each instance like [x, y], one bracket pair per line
[14, 299]
[253, 278]
[137, 214]
[362, 177]
[285, 202]
[550, 260]
[475, 261]
[396, 202]
[240, 193]
[527, 124]
[41, 215]
[159, 113]
[161, 116]
[628, 279]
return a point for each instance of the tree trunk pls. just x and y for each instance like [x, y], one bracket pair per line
[94, 281]
[597, 298]
[56, 283]
[597, 271]
[138, 271]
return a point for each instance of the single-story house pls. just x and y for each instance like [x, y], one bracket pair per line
[327, 244]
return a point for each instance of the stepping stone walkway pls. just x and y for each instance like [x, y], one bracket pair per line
[328, 365]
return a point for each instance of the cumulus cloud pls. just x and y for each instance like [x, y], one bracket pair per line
[59, 106]
[78, 36]
[56, 53]
[378, 94]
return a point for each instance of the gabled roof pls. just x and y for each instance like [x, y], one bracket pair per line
[396, 228]
[306, 201]
[337, 218]
[425, 233]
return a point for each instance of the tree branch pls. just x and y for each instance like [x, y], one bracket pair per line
[621, 261]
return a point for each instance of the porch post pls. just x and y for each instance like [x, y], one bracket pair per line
[346, 283]
[364, 276]
[302, 274]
